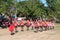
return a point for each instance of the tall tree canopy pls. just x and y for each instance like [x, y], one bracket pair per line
[31, 8]
[54, 6]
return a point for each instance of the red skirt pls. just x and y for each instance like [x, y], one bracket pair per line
[28, 25]
[22, 25]
[11, 28]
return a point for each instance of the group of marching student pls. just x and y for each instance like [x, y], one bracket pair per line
[35, 25]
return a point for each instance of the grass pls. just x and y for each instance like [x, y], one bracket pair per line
[57, 26]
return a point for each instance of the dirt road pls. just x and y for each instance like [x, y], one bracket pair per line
[30, 35]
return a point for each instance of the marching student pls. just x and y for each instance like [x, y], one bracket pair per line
[36, 25]
[41, 26]
[48, 24]
[22, 24]
[44, 24]
[11, 28]
[51, 25]
[15, 24]
[28, 24]
[32, 24]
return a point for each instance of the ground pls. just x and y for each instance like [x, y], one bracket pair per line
[30, 35]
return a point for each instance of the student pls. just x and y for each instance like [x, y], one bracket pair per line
[32, 24]
[22, 24]
[41, 26]
[48, 24]
[15, 24]
[11, 28]
[28, 24]
[36, 25]
[44, 24]
[51, 25]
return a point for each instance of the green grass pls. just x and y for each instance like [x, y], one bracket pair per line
[57, 26]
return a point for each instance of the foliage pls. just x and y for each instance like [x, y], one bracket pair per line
[31, 8]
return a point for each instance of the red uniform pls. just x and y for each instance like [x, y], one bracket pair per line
[40, 24]
[15, 23]
[36, 24]
[32, 24]
[11, 28]
[44, 24]
[28, 23]
[22, 23]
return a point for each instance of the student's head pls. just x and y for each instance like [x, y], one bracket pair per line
[27, 20]
[31, 20]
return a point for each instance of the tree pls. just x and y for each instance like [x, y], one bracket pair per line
[54, 6]
[31, 8]
[5, 6]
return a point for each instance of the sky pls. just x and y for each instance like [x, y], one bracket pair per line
[42, 1]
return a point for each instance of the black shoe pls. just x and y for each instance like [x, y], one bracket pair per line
[41, 30]
[12, 33]
[16, 31]
[32, 29]
[35, 31]
[22, 30]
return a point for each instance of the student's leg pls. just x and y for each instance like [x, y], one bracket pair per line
[45, 27]
[16, 29]
[41, 28]
[36, 29]
[52, 27]
[32, 28]
[22, 29]
[27, 28]
[12, 33]
[48, 27]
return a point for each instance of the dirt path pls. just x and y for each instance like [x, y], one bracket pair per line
[30, 35]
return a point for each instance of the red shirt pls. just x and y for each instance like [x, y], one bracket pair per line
[15, 23]
[11, 28]
[44, 24]
[40, 24]
[22, 23]
[28, 23]
[36, 24]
